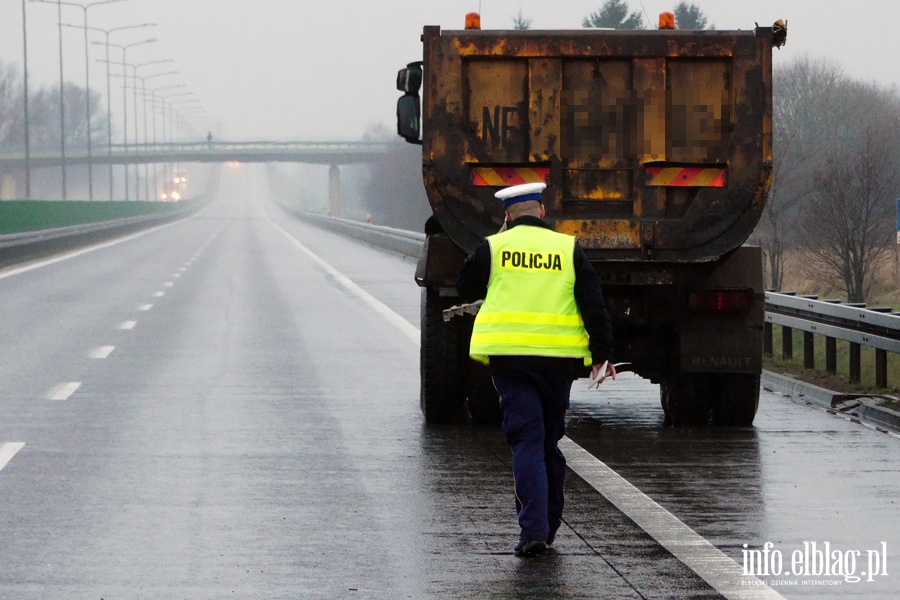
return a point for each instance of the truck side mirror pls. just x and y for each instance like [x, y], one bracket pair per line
[409, 80]
[409, 109]
[409, 118]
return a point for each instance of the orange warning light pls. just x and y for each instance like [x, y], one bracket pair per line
[473, 20]
[666, 20]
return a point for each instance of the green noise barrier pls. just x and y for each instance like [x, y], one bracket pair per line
[17, 216]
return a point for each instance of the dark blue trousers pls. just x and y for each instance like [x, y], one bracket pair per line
[534, 404]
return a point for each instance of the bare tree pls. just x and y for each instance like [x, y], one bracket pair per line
[394, 192]
[849, 228]
[11, 118]
[614, 14]
[520, 22]
[801, 111]
[689, 16]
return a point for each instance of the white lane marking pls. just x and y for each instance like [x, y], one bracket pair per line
[51, 261]
[145, 307]
[710, 563]
[101, 352]
[159, 294]
[175, 275]
[63, 391]
[127, 324]
[8, 450]
[707, 561]
[168, 284]
[402, 324]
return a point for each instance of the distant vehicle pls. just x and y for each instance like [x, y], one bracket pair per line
[657, 150]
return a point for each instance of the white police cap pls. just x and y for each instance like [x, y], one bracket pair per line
[520, 193]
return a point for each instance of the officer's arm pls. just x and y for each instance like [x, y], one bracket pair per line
[589, 297]
[476, 272]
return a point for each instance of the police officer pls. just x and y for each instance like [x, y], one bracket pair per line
[542, 323]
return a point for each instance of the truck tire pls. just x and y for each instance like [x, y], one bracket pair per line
[736, 400]
[442, 391]
[687, 398]
[483, 400]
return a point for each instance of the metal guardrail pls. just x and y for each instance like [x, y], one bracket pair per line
[26, 245]
[860, 326]
[401, 241]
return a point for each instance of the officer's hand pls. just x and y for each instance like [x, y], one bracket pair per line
[610, 372]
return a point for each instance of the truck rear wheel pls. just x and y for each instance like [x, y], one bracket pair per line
[686, 398]
[736, 400]
[442, 362]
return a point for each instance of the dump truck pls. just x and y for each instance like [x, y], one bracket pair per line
[656, 147]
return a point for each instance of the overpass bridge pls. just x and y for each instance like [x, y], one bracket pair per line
[332, 153]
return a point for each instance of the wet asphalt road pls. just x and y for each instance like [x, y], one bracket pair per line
[230, 421]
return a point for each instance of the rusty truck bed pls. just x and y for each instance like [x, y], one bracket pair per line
[655, 145]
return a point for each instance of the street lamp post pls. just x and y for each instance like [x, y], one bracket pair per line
[107, 33]
[87, 81]
[27, 125]
[155, 103]
[144, 95]
[168, 113]
[124, 48]
[135, 89]
[62, 91]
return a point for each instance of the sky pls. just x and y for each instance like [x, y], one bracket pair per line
[319, 71]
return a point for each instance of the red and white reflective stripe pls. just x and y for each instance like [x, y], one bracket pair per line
[504, 176]
[685, 176]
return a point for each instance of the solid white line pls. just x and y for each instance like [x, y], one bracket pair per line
[402, 324]
[101, 352]
[717, 569]
[145, 307]
[707, 561]
[8, 450]
[63, 391]
[127, 325]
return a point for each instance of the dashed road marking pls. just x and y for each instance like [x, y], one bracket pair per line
[127, 324]
[698, 554]
[145, 307]
[168, 284]
[7, 451]
[101, 352]
[159, 294]
[63, 391]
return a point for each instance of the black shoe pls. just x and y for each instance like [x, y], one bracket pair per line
[529, 548]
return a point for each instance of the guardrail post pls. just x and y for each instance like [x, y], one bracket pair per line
[854, 362]
[880, 368]
[831, 355]
[767, 339]
[809, 350]
[787, 343]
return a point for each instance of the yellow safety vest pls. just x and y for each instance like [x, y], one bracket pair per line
[530, 307]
